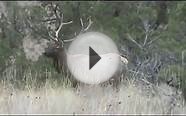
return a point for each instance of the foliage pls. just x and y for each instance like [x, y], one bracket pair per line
[122, 21]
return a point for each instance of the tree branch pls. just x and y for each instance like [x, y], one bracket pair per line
[130, 38]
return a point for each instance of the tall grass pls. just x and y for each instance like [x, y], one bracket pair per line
[56, 96]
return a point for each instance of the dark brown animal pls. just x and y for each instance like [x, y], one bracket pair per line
[117, 79]
[56, 50]
[58, 56]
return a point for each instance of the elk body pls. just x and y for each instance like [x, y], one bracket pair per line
[59, 58]
[56, 50]
[119, 75]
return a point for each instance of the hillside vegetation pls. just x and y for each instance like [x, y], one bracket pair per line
[151, 34]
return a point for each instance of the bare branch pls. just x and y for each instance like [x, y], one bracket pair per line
[150, 42]
[130, 38]
[145, 40]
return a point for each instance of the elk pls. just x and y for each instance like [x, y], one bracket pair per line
[56, 49]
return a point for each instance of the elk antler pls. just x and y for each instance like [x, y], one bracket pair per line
[83, 29]
[58, 19]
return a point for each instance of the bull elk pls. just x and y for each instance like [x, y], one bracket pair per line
[56, 49]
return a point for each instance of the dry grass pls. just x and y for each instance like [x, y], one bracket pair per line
[133, 97]
[89, 100]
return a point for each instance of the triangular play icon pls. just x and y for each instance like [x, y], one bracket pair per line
[93, 57]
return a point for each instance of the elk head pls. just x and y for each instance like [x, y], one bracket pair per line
[58, 55]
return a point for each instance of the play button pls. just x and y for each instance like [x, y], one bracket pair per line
[92, 58]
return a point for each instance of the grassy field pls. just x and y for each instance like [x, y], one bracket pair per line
[133, 97]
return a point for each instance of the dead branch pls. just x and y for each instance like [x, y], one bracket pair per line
[150, 42]
[145, 40]
[131, 39]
